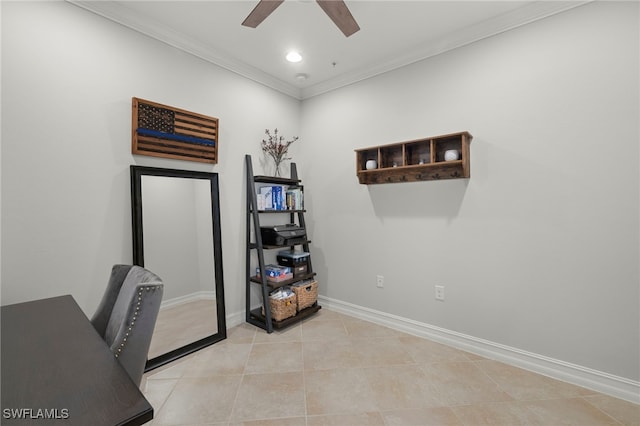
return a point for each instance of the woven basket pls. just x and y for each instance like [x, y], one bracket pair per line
[283, 308]
[307, 294]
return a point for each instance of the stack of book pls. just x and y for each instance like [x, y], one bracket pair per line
[279, 197]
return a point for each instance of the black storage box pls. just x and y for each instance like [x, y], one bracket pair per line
[292, 258]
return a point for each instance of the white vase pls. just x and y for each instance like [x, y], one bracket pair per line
[371, 164]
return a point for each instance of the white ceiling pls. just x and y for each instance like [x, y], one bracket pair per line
[393, 34]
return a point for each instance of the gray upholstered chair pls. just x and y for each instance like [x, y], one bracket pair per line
[127, 315]
[103, 312]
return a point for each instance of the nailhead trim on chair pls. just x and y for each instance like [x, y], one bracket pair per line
[135, 316]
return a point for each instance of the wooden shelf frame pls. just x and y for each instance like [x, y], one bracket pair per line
[416, 160]
[261, 317]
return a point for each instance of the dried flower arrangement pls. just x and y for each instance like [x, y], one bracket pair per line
[276, 147]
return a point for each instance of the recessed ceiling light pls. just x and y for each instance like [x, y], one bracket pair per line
[294, 56]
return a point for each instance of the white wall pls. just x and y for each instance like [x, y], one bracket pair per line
[539, 249]
[67, 81]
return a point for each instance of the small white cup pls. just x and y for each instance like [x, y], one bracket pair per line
[371, 164]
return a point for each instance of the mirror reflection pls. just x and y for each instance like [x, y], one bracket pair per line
[178, 241]
[175, 236]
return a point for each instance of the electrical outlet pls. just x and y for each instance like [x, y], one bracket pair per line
[440, 292]
[380, 281]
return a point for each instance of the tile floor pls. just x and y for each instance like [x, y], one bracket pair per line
[336, 370]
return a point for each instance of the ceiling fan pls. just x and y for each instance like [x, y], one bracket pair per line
[337, 10]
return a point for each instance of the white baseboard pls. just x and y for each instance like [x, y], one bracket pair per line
[198, 295]
[598, 381]
[235, 319]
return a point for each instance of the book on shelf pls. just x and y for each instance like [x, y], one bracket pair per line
[279, 197]
[294, 199]
[276, 191]
[265, 198]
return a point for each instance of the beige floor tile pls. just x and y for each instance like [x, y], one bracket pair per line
[574, 412]
[157, 391]
[472, 356]
[338, 353]
[225, 423]
[426, 351]
[360, 328]
[347, 353]
[335, 370]
[269, 396]
[381, 352]
[510, 413]
[289, 334]
[172, 370]
[290, 421]
[625, 412]
[323, 330]
[340, 391]
[401, 387]
[223, 358]
[279, 357]
[525, 385]
[243, 333]
[326, 315]
[429, 416]
[199, 400]
[362, 419]
[462, 383]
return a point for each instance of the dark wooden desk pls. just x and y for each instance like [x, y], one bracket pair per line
[57, 370]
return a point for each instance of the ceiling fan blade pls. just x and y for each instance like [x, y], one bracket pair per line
[339, 13]
[260, 12]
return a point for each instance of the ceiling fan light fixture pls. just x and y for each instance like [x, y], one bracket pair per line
[337, 10]
[293, 56]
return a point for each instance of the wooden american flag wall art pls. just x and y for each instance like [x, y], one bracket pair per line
[163, 131]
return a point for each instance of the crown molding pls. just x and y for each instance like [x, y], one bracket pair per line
[491, 27]
[522, 16]
[144, 25]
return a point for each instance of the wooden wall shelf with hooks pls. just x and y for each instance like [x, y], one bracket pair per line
[415, 160]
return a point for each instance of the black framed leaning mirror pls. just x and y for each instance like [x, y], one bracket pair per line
[176, 234]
